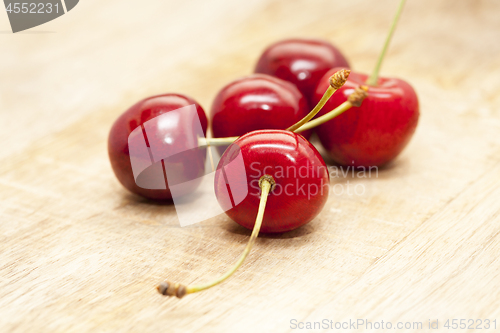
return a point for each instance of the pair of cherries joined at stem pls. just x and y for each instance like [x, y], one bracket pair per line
[246, 111]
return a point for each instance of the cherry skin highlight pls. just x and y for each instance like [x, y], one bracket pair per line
[169, 136]
[377, 131]
[300, 174]
[256, 102]
[302, 62]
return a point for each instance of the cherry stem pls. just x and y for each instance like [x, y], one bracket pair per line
[354, 99]
[337, 80]
[216, 141]
[167, 288]
[323, 119]
[373, 79]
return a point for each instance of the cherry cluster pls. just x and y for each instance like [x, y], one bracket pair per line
[260, 117]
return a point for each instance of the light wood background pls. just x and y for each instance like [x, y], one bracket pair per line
[80, 254]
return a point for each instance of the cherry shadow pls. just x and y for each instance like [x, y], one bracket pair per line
[162, 212]
[234, 228]
[137, 199]
[340, 174]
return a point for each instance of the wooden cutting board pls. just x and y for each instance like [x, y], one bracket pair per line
[78, 253]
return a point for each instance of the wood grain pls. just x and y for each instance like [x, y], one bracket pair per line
[78, 253]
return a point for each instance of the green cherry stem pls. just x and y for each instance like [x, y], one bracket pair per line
[323, 119]
[337, 80]
[216, 141]
[354, 99]
[168, 288]
[373, 79]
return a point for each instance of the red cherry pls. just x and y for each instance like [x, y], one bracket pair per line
[300, 61]
[300, 174]
[163, 138]
[256, 102]
[269, 181]
[377, 131]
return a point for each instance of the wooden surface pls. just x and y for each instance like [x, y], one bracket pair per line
[78, 253]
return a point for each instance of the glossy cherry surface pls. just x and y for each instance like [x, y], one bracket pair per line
[302, 62]
[301, 176]
[256, 102]
[163, 137]
[375, 133]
